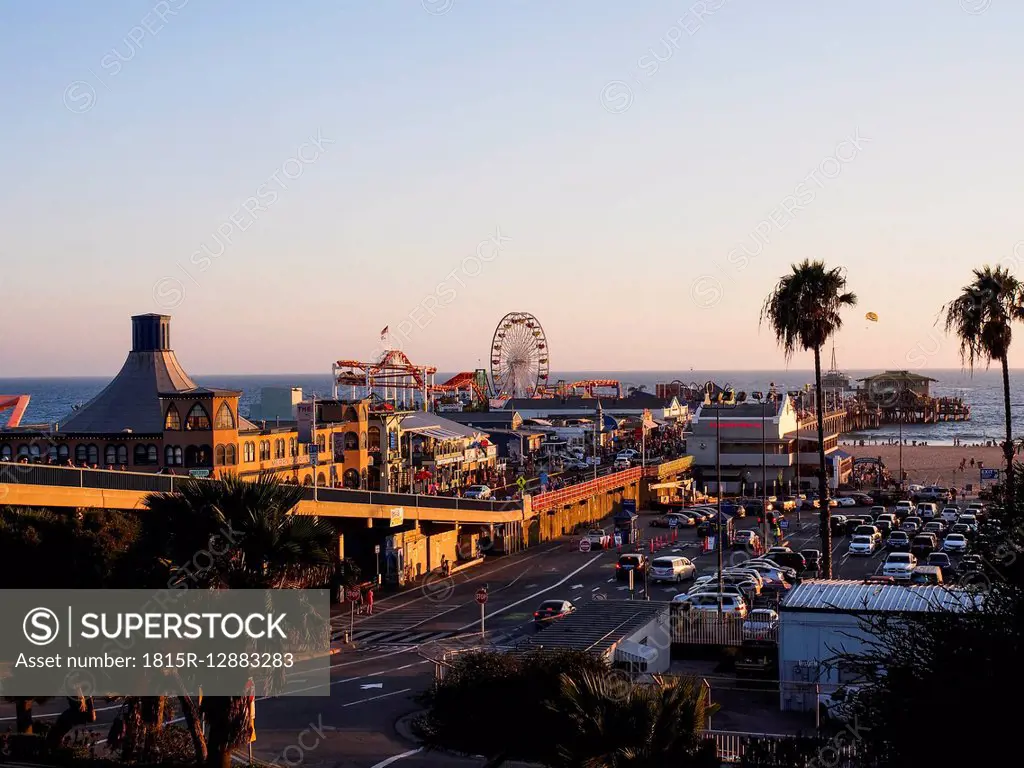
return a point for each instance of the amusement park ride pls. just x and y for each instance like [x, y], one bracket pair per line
[519, 369]
[16, 404]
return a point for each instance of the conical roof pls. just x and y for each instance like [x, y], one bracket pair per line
[131, 401]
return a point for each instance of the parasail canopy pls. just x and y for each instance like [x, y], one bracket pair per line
[871, 316]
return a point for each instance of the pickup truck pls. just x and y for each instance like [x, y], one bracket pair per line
[598, 538]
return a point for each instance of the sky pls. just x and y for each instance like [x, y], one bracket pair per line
[287, 179]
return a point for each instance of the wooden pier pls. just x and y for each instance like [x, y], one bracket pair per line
[908, 408]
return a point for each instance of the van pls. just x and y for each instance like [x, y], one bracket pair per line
[674, 569]
[926, 575]
[927, 511]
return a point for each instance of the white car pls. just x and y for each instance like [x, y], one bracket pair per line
[899, 565]
[955, 542]
[876, 511]
[628, 453]
[761, 624]
[622, 464]
[949, 515]
[846, 501]
[708, 602]
[861, 545]
[904, 508]
[478, 492]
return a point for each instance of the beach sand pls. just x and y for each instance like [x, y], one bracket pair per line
[932, 464]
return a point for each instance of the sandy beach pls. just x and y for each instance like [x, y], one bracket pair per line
[932, 464]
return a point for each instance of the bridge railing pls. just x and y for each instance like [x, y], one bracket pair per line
[574, 493]
[116, 480]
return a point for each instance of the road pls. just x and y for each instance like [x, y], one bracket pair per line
[374, 680]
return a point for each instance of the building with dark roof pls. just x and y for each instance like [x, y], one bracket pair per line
[632, 405]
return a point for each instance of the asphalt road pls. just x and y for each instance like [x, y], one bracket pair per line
[374, 679]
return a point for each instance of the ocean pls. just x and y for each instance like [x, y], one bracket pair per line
[53, 399]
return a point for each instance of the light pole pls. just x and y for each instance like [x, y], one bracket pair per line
[709, 388]
[764, 470]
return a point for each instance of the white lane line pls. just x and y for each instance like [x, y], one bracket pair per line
[375, 698]
[396, 758]
[595, 589]
[533, 596]
[576, 586]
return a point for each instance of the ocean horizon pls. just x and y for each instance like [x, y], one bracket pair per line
[53, 398]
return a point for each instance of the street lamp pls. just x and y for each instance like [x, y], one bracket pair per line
[709, 388]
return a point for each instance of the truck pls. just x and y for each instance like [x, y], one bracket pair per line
[598, 538]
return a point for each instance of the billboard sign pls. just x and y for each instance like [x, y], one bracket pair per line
[304, 413]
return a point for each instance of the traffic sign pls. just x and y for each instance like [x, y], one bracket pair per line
[521, 482]
[584, 545]
[314, 454]
[481, 596]
[376, 549]
[352, 593]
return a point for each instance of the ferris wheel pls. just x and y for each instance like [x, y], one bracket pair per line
[519, 356]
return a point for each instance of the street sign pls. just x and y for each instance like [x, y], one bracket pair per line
[397, 516]
[618, 540]
[584, 545]
[521, 482]
[784, 525]
[314, 454]
[352, 593]
[481, 595]
[989, 474]
[376, 549]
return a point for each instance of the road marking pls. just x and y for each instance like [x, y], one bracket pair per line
[576, 586]
[622, 588]
[608, 582]
[533, 596]
[528, 586]
[375, 698]
[595, 589]
[368, 686]
[396, 758]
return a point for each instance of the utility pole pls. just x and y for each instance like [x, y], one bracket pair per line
[316, 451]
[764, 467]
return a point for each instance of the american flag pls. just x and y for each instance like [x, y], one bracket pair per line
[649, 422]
[384, 332]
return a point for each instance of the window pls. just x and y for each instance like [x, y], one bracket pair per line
[279, 449]
[198, 419]
[351, 441]
[351, 478]
[5, 452]
[350, 414]
[308, 480]
[140, 455]
[80, 454]
[320, 479]
[173, 419]
[230, 455]
[374, 436]
[321, 443]
[219, 456]
[225, 418]
[22, 451]
[63, 453]
[173, 456]
[264, 450]
[293, 446]
[93, 454]
[250, 451]
[151, 455]
[191, 456]
[115, 454]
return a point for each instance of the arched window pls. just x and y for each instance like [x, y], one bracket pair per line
[140, 456]
[351, 478]
[351, 441]
[230, 457]
[225, 418]
[279, 449]
[81, 454]
[250, 451]
[22, 452]
[264, 450]
[173, 456]
[63, 453]
[320, 479]
[51, 452]
[172, 421]
[350, 414]
[308, 480]
[151, 455]
[198, 419]
[219, 456]
[5, 452]
[321, 443]
[293, 446]
[374, 437]
[110, 454]
[93, 454]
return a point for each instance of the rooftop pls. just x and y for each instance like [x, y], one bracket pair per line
[432, 425]
[635, 401]
[597, 625]
[897, 376]
[859, 597]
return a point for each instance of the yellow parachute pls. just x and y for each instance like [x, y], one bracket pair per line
[871, 316]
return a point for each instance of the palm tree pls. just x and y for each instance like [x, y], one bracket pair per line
[981, 317]
[803, 311]
[264, 545]
[23, 710]
[614, 723]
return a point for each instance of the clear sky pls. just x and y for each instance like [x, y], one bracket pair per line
[358, 155]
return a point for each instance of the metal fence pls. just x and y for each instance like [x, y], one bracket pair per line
[116, 480]
[777, 748]
[709, 628]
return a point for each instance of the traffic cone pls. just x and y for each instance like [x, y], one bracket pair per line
[652, 546]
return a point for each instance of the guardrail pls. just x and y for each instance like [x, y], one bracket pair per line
[573, 493]
[116, 480]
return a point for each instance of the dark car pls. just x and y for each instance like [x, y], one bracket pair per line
[923, 545]
[970, 564]
[963, 528]
[884, 526]
[935, 526]
[854, 522]
[812, 558]
[551, 610]
[898, 541]
[941, 561]
[734, 509]
[862, 499]
[838, 524]
[636, 563]
[789, 559]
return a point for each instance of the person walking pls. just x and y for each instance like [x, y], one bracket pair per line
[369, 602]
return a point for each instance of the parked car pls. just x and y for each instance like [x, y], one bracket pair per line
[862, 545]
[868, 530]
[746, 539]
[899, 565]
[911, 524]
[675, 569]
[941, 561]
[884, 526]
[903, 509]
[634, 562]
[932, 493]
[749, 586]
[672, 520]
[923, 545]
[962, 528]
[927, 510]
[812, 557]
[478, 492]
[955, 542]
[877, 512]
[630, 454]
[761, 624]
[949, 515]
[838, 524]
[927, 576]
[787, 558]
[969, 520]
[708, 602]
[788, 573]
[599, 538]
[552, 610]
[862, 499]
[898, 541]
[734, 509]
[846, 501]
[622, 464]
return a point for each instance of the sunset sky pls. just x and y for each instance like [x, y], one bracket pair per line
[637, 175]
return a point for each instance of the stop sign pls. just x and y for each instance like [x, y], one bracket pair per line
[481, 596]
[584, 545]
[352, 593]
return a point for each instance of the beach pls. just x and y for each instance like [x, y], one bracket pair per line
[933, 464]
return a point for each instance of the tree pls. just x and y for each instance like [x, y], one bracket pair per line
[981, 318]
[23, 711]
[803, 311]
[260, 544]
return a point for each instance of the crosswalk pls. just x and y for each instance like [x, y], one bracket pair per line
[403, 617]
[398, 638]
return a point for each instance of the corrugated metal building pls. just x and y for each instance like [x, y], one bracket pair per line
[819, 619]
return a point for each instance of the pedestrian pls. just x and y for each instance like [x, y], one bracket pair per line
[369, 602]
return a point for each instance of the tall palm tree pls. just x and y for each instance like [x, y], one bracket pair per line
[263, 545]
[613, 723]
[981, 318]
[803, 312]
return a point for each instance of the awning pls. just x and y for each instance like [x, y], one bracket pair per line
[438, 433]
[674, 484]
